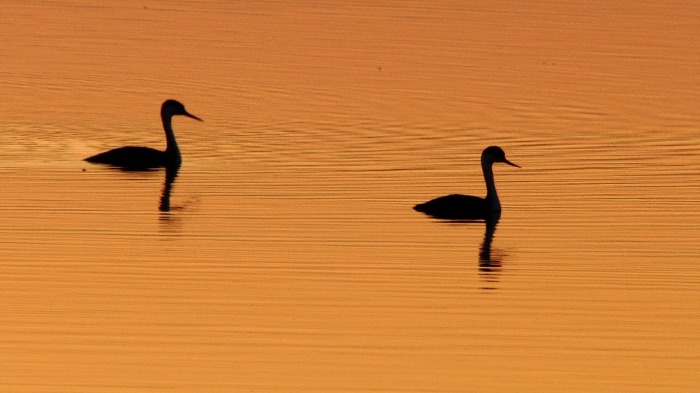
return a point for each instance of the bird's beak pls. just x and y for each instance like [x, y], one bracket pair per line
[511, 164]
[191, 116]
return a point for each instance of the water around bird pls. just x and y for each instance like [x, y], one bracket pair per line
[285, 254]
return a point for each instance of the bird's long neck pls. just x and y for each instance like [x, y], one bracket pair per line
[491, 194]
[171, 146]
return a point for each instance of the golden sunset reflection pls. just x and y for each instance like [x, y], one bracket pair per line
[288, 256]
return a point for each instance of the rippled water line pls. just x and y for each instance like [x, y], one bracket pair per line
[294, 228]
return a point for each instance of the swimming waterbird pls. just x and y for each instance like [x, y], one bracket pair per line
[467, 207]
[141, 158]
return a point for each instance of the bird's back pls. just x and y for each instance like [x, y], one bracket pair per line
[134, 157]
[456, 206]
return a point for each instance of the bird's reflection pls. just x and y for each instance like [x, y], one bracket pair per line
[489, 264]
[170, 175]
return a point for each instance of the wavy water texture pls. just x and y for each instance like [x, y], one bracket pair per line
[288, 256]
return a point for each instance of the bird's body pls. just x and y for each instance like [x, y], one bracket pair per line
[468, 207]
[455, 206]
[136, 157]
[141, 158]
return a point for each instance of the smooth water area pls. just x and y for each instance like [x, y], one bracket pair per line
[289, 257]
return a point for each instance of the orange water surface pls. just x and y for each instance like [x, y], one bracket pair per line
[290, 259]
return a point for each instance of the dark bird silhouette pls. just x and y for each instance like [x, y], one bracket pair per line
[143, 158]
[467, 207]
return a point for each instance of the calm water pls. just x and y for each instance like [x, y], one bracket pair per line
[290, 259]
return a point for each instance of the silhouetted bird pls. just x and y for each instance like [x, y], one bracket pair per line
[469, 207]
[141, 158]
